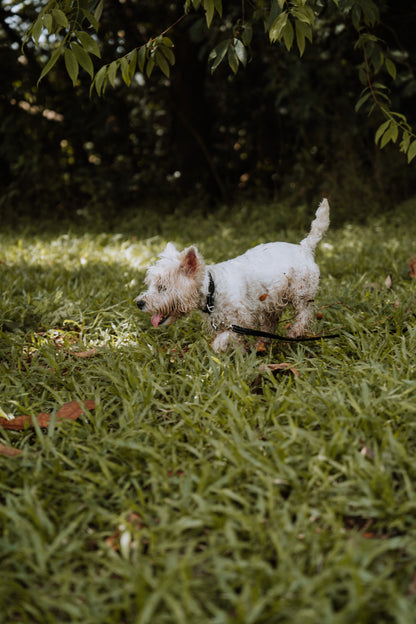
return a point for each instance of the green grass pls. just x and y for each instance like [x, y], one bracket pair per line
[203, 488]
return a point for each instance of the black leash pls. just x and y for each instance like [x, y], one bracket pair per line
[262, 334]
[245, 331]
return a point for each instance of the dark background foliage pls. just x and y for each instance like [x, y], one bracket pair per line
[283, 127]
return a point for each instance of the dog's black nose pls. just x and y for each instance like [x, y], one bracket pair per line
[140, 304]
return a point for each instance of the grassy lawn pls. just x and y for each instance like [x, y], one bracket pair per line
[204, 487]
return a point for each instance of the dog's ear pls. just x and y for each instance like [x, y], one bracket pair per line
[170, 250]
[190, 261]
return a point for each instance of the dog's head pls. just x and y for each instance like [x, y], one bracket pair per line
[174, 283]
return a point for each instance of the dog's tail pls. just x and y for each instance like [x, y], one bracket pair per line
[319, 226]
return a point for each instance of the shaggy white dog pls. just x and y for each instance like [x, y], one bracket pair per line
[250, 291]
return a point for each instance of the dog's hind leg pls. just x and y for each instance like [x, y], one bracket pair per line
[303, 319]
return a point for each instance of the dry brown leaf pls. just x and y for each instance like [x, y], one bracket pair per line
[263, 297]
[412, 266]
[9, 451]
[84, 354]
[69, 411]
[282, 366]
[73, 410]
[261, 348]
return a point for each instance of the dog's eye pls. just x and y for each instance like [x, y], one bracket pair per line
[161, 288]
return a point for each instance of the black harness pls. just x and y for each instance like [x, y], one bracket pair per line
[245, 331]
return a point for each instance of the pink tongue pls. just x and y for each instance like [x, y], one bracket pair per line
[156, 318]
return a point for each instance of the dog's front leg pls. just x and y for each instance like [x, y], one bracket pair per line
[222, 341]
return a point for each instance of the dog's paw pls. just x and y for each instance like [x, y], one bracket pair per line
[221, 342]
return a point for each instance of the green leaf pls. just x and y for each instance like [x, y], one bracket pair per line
[112, 72]
[99, 10]
[389, 135]
[37, 30]
[275, 11]
[218, 53]
[48, 22]
[247, 34]
[71, 65]
[240, 51]
[209, 11]
[303, 32]
[233, 59]
[218, 7]
[100, 79]
[90, 17]
[277, 27]
[149, 67]
[141, 57]
[394, 132]
[162, 63]
[168, 53]
[356, 17]
[83, 58]
[362, 101]
[60, 17]
[132, 58]
[55, 56]
[404, 145]
[391, 67]
[288, 35]
[124, 66]
[412, 152]
[362, 75]
[303, 14]
[370, 12]
[381, 130]
[88, 43]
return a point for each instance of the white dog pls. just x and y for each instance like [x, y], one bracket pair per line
[251, 290]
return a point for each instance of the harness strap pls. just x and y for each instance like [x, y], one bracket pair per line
[209, 306]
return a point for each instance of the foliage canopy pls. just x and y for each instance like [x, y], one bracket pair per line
[147, 101]
[74, 24]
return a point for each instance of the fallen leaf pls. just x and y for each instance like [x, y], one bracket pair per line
[412, 266]
[261, 348]
[319, 316]
[73, 410]
[69, 411]
[9, 451]
[263, 297]
[388, 281]
[84, 354]
[277, 368]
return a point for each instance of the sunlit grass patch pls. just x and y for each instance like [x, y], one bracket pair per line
[205, 487]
